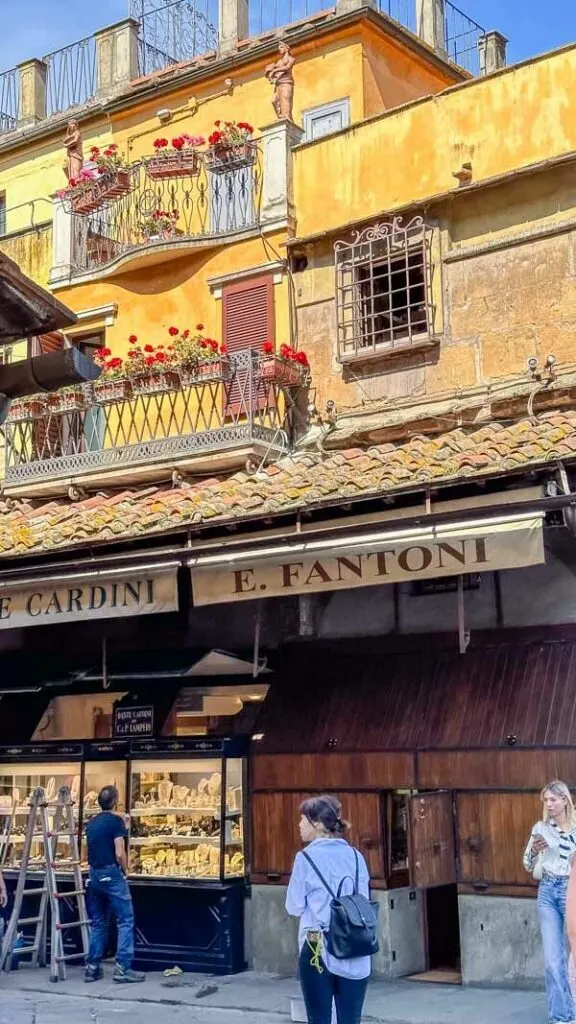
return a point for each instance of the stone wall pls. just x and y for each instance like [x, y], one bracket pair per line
[500, 942]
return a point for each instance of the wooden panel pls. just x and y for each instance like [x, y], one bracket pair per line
[371, 771]
[424, 698]
[433, 856]
[493, 829]
[494, 769]
[275, 837]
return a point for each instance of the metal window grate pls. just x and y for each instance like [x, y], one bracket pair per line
[384, 288]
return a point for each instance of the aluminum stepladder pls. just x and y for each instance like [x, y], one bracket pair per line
[39, 827]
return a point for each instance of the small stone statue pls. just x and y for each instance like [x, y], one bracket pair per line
[75, 157]
[281, 77]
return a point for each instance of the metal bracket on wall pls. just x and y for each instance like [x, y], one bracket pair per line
[167, 116]
[463, 633]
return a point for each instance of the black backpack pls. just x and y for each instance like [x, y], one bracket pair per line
[353, 919]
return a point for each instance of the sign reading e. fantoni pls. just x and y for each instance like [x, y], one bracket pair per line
[385, 558]
[90, 598]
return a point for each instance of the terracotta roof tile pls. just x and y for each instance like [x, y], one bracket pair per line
[298, 481]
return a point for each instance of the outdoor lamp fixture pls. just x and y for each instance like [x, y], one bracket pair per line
[27, 311]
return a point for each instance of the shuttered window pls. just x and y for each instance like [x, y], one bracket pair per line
[247, 322]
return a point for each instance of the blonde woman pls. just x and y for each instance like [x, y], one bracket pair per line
[549, 857]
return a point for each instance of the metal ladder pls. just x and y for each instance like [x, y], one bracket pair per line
[39, 827]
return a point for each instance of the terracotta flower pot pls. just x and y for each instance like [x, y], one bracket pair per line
[222, 158]
[67, 401]
[115, 389]
[282, 371]
[174, 165]
[156, 382]
[211, 370]
[85, 201]
[113, 184]
[28, 409]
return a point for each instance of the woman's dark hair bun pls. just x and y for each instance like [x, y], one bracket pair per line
[326, 810]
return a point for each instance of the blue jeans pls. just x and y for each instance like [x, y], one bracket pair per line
[320, 989]
[108, 893]
[552, 914]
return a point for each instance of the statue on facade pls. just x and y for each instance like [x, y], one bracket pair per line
[74, 155]
[281, 77]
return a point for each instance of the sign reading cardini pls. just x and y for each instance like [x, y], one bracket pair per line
[372, 560]
[89, 598]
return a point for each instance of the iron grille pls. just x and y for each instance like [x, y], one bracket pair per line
[384, 288]
[173, 31]
[203, 204]
[170, 423]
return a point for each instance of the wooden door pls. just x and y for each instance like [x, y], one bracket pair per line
[248, 322]
[493, 830]
[432, 845]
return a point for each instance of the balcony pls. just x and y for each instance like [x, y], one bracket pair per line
[126, 433]
[159, 218]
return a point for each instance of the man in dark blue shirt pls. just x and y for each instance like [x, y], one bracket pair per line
[108, 890]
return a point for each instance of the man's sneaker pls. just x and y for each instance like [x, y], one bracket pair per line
[126, 976]
[93, 972]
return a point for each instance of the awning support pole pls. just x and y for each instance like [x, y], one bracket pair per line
[257, 630]
[463, 633]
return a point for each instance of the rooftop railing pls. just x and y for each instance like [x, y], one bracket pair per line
[172, 31]
[9, 98]
[266, 15]
[462, 35]
[70, 76]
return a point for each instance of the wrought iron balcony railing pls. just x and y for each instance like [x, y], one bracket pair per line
[202, 203]
[144, 429]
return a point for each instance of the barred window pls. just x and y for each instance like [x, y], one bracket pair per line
[383, 288]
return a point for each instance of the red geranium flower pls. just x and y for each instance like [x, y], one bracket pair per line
[132, 354]
[173, 331]
[178, 143]
[149, 360]
[301, 358]
[217, 123]
[160, 143]
[160, 357]
[116, 363]
[148, 348]
[132, 339]
[215, 138]
[199, 327]
[186, 333]
[106, 352]
[223, 348]
[268, 348]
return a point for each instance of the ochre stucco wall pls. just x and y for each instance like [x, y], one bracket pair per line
[393, 75]
[500, 124]
[175, 293]
[512, 296]
[32, 251]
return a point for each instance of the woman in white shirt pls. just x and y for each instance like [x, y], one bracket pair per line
[324, 978]
[549, 857]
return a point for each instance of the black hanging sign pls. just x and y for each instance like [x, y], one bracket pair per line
[133, 721]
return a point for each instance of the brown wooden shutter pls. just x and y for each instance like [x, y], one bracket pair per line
[247, 322]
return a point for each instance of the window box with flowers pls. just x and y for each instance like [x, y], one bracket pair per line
[81, 193]
[114, 175]
[32, 407]
[287, 367]
[71, 399]
[180, 159]
[230, 147]
[151, 368]
[160, 225]
[198, 358]
[112, 384]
